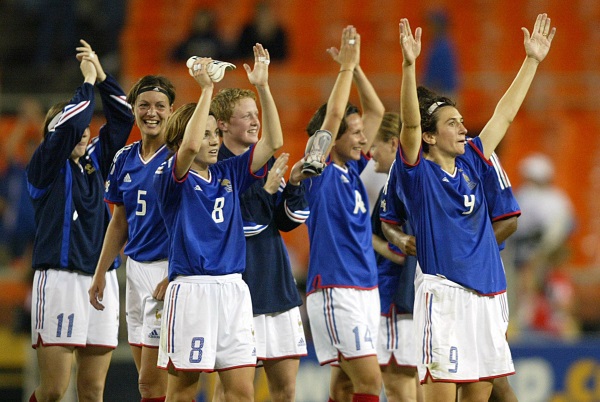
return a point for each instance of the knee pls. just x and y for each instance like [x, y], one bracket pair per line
[152, 383]
[368, 383]
[283, 392]
[50, 394]
[90, 392]
[241, 392]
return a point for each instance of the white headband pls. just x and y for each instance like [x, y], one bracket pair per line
[434, 107]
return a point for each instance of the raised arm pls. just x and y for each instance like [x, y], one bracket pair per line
[537, 46]
[271, 138]
[372, 107]
[196, 126]
[410, 135]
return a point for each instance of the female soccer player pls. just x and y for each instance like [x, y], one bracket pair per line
[207, 322]
[67, 174]
[137, 225]
[460, 304]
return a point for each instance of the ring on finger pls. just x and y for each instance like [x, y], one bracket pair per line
[266, 61]
[352, 41]
[261, 58]
[197, 67]
[277, 171]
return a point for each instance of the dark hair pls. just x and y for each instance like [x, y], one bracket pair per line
[152, 81]
[390, 127]
[429, 111]
[52, 112]
[318, 118]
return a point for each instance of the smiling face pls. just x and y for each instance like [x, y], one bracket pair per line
[348, 146]
[450, 139]
[244, 125]
[152, 109]
[79, 149]
[209, 151]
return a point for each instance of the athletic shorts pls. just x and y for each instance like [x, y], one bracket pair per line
[461, 335]
[144, 312]
[279, 335]
[61, 313]
[207, 324]
[343, 321]
[397, 339]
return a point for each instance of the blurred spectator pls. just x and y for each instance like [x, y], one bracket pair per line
[540, 248]
[264, 29]
[203, 39]
[441, 73]
[17, 228]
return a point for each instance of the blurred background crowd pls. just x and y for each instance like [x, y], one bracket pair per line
[551, 153]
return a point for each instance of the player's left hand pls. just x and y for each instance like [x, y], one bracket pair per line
[260, 75]
[85, 52]
[538, 43]
[276, 174]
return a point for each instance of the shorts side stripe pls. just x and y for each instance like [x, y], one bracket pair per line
[427, 339]
[41, 300]
[172, 311]
[329, 313]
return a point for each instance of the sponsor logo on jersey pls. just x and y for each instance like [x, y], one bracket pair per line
[383, 205]
[154, 334]
[344, 179]
[301, 342]
[89, 168]
[446, 180]
[106, 186]
[198, 188]
[254, 352]
[127, 178]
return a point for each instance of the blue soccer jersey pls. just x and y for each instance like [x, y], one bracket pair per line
[396, 282]
[339, 229]
[70, 213]
[268, 271]
[449, 214]
[501, 201]
[203, 216]
[130, 183]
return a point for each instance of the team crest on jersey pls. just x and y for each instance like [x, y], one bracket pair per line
[158, 314]
[227, 184]
[89, 168]
[470, 183]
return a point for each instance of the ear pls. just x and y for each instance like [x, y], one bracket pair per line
[429, 138]
[222, 126]
[394, 141]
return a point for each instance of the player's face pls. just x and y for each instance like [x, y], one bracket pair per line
[79, 149]
[210, 143]
[451, 133]
[152, 109]
[244, 125]
[349, 145]
[383, 154]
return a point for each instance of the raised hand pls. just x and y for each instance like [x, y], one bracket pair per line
[85, 52]
[538, 43]
[411, 45]
[200, 73]
[276, 174]
[348, 56]
[259, 76]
